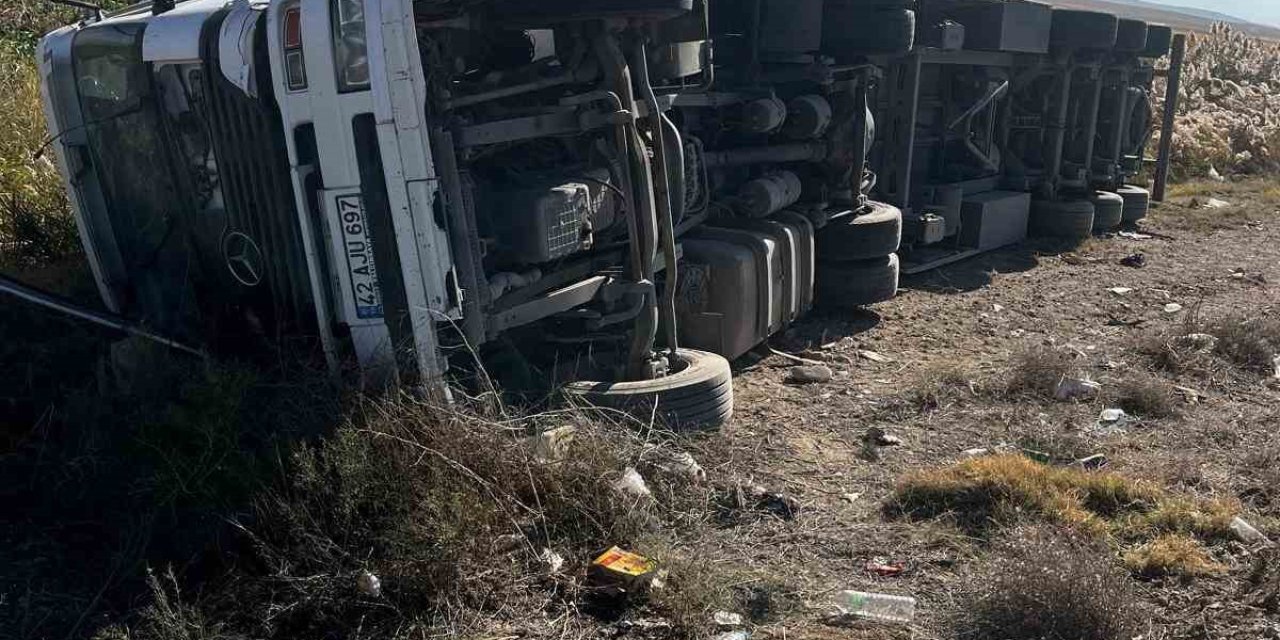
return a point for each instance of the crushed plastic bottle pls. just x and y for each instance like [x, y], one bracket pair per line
[877, 606]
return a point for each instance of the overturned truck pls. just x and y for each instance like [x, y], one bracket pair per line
[612, 197]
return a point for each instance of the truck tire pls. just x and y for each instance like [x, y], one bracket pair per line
[1137, 201]
[873, 234]
[1069, 219]
[854, 27]
[1108, 211]
[843, 286]
[1159, 39]
[1073, 29]
[1131, 36]
[697, 396]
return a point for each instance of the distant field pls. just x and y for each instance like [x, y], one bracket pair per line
[1183, 21]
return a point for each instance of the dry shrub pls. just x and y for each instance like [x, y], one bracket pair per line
[451, 511]
[1038, 370]
[1046, 586]
[1250, 343]
[941, 384]
[1144, 395]
[1172, 555]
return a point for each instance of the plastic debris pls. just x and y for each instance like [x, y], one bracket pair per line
[632, 483]
[884, 569]
[621, 571]
[1093, 462]
[1135, 260]
[1247, 533]
[1112, 415]
[1215, 175]
[1276, 363]
[876, 606]
[1172, 307]
[1120, 291]
[369, 584]
[757, 498]
[734, 635]
[727, 619]
[680, 463]
[812, 374]
[873, 356]
[876, 436]
[1196, 342]
[975, 453]
[551, 561]
[1076, 389]
[1134, 235]
[1216, 203]
[551, 445]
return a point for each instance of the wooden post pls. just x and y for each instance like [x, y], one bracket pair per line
[1172, 85]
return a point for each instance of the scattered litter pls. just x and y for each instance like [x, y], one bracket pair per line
[997, 308]
[1214, 175]
[1189, 395]
[873, 356]
[876, 606]
[632, 483]
[851, 498]
[1172, 307]
[369, 584]
[1038, 456]
[842, 343]
[1196, 342]
[621, 571]
[1247, 533]
[552, 445]
[1135, 260]
[975, 453]
[1276, 363]
[680, 463]
[1093, 462]
[813, 374]
[727, 619]
[1120, 291]
[1112, 415]
[1111, 422]
[885, 570]
[1215, 203]
[551, 561]
[1134, 235]
[878, 437]
[734, 635]
[757, 498]
[1076, 389]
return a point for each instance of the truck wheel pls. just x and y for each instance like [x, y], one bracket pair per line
[867, 28]
[699, 395]
[1070, 219]
[1159, 39]
[1137, 201]
[842, 286]
[1073, 29]
[873, 234]
[1131, 36]
[1108, 211]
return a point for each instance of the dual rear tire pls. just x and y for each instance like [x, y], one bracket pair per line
[857, 261]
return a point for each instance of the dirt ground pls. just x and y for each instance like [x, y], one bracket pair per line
[807, 441]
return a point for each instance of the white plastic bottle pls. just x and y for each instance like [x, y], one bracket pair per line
[877, 606]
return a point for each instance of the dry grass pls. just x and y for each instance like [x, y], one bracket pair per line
[1010, 488]
[1047, 586]
[1172, 555]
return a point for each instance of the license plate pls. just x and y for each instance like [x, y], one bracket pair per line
[361, 269]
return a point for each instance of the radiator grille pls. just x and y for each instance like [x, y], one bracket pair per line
[253, 166]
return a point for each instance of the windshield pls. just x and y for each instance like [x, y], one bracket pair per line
[128, 151]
